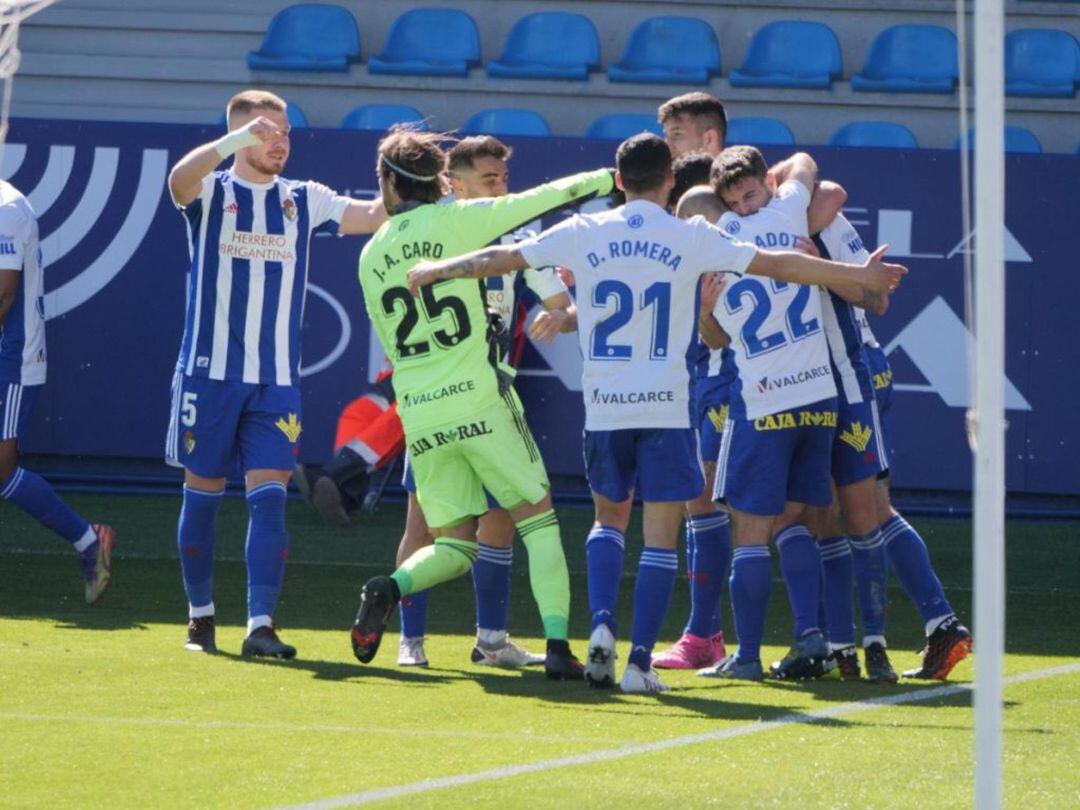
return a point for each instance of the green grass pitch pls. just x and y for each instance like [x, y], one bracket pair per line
[101, 707]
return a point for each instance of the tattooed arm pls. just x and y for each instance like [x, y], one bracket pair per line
[492, 261]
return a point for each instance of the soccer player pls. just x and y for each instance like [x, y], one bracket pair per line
[637, 270]
[880, 537]
[695, 124]
[23, 364]
[463, 424]
[774, 456]
[236, 393]
[478, 169]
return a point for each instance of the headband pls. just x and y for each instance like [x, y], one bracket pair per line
[394, 167]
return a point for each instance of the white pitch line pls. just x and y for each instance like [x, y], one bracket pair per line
[914, 696]
[291, 727]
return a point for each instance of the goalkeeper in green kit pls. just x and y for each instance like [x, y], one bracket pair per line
[464, 427]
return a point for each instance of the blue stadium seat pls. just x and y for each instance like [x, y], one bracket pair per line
[383, 116]
[910, 59]
[1041, 62]
[309, 36]
[874, 133]
[620, 126]
[429, 42]
[293, 114]
[1017, 139]
[549, 45]
[790, 53]
[758, 131]
[503, 121]
[669, 50]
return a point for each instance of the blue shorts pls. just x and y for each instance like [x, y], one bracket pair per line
[661, 464]
[410, 485]
[711, 406]
[16, 405]
[882, 376]
[217, 428]
[859, 446]
[768, 461]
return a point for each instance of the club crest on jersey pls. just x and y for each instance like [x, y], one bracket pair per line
[858, 437]
[288, 208]
[290, 428]
[189, 442]
[733, 227]
[636, 221]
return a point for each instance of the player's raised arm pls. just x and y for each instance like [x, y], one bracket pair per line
[875, 275]
[363, 216]
[827, 197]
[491, 218]
[186, 177]
[493, 261]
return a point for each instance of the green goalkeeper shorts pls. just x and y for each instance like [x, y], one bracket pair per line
[454, 463]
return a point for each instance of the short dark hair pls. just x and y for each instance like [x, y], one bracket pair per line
[644, 162]
[735, 164]
[467, 150]
[708, 111]
[691, 169]
[418, 153]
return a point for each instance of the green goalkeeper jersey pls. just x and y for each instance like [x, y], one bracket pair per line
[446, 364]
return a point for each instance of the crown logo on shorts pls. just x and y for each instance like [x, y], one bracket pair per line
[189, 442]
[858, 437]
[291, 428]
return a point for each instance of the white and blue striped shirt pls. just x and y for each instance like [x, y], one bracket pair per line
[23, 360]
[249, 246]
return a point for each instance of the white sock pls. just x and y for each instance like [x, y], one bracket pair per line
[490, 638]
[834, 647]
[868, 640]
[255, 622]
[201, 611]
[935, 623]
[86, 541]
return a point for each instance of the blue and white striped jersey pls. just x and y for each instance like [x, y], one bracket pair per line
[842, 321]
[249, 246]
[23, 360]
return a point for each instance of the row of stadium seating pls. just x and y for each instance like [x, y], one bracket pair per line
[667, 49]
[753, 130]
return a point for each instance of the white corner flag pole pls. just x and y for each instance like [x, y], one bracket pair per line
[989, 507]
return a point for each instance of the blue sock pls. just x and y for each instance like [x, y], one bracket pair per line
[604, 552]
[838, 581]
[691, 561]
[800, 564]
[910, 560]
[751, 581]
[195, 541]
[872, 577]
[491, 580]
[32, 493]
[707, 570]
[267, 547]
[414, 614]
[657, 570]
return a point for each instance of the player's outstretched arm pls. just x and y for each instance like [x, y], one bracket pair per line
[875, 275]
[493, 261]
[185, 179]
[363, 216]
[559, 315]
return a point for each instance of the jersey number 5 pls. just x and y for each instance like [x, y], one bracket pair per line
[433, 309]
[656, 296]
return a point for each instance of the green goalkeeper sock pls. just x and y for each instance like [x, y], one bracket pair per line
[547, 571]
[448, 559]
